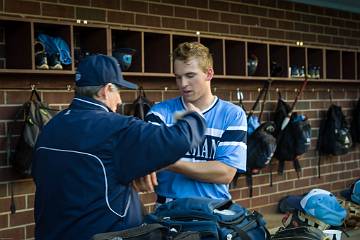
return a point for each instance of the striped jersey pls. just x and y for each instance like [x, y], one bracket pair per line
[225, 141]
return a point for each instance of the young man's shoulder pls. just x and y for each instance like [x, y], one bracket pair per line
[168, 104]
[231, 107]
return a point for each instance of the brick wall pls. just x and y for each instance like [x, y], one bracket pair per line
[274, 20]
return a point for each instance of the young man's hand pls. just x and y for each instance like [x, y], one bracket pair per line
[146, 183]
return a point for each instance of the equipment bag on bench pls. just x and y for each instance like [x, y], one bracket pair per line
[213, 219]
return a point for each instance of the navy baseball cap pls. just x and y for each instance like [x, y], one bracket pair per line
[98, 70]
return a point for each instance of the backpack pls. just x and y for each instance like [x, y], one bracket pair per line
[153, 231]
[299, 233]
[293, 140]
[334, 135]
[355, 124]
[261, 143]
[36, 114]
[141, 105]
[212, 218]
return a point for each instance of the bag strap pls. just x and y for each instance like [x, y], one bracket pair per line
[262, 95]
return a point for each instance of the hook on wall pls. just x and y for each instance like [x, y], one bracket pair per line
[165, 89]
[68, 87]
[277, 90]
[32, 86]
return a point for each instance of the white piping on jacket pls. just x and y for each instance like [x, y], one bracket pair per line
[105, 177]
[82, 100]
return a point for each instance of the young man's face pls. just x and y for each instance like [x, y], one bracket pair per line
[192, 81]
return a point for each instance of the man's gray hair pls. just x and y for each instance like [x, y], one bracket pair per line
[87, 91]
[92, 91]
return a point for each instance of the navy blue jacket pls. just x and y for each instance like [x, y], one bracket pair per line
[85, 159]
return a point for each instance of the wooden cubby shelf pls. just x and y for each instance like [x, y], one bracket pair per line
[234, 58]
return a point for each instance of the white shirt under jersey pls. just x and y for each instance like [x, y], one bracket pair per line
[225, 141]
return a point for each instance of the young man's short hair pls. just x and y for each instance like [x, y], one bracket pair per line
[188, 50]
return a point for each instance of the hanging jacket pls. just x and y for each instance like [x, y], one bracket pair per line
[85, 160]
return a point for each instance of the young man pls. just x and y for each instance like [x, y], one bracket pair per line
[87, 156]
[207, 169]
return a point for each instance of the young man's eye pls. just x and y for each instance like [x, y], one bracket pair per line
[190, 75]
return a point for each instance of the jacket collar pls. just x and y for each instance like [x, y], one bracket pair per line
[88, 103]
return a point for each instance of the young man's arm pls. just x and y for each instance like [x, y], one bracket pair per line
[211, 171]
[230, 155]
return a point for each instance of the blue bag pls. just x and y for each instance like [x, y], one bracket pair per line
[212, 218]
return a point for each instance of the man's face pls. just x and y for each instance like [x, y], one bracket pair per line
[193, 83]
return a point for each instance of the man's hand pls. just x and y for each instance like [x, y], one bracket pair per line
[191, 107]
[146, 183]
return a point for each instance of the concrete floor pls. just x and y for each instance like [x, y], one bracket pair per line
[274, 221]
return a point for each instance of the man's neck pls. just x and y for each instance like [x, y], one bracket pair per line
[204, 102]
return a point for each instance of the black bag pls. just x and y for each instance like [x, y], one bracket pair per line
[153, 231]
[261, 143]
[334, 135]
[36, 114]
[292, 141]
[299, 233]
[355, 124]
[141, 105]
[212, 218]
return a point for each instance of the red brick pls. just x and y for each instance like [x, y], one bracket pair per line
[77, 2]
[286, 5]
[337, 22]
[183, 12]
[106, 4]
[58, 97]
[316, 29]
[13, 233]
[161, 9]
[266, 22]
[239, 8]
[248, 20]
[53, 10]
[25, 7]
[4, 221]
[258, 11]
[30, 231]
[197, 26]
[218, 28]
[287, 25]
[282, 186]
[301, 7]
[90, 14]
[6, 202]
[219, 5]
[30, 200]
[121, 17]
[1, 97]
[24, 187]
[146, 20]
[134, 6]
[317, 10]
[257, 31]
[208, 15]
[7, 112]
[301, 27]
[174, 23]
[174, 2]
[241, 30]
[198, 4]
[278, 34]
[21, 218]
[17, 97]
[308, 18]
[293, 16]
[229, 18]
[259, 201]
[276, 13]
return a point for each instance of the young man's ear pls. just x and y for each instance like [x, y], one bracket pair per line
[209, 74]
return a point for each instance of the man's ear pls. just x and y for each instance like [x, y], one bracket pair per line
[209, 74]
[102, 93]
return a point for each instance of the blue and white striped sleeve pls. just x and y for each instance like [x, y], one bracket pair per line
[232, 146]
[156, 115]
